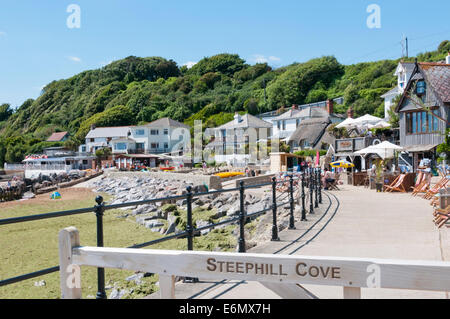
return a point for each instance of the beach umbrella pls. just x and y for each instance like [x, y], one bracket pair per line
[343, 164]
[55, 195]
[387, 149]
[366, 120]
[384, 150]
[381, 124]
[348, 123]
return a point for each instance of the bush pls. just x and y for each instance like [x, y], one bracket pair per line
[310, 153]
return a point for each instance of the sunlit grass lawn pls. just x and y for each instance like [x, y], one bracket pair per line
[31, 246]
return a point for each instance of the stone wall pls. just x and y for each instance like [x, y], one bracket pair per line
[255, 180]
[213, 182]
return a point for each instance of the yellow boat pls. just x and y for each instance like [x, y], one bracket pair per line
[229, 174]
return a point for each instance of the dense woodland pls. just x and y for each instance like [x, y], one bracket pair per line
[139, 90]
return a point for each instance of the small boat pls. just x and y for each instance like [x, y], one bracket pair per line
[167, 168]
[229, 174]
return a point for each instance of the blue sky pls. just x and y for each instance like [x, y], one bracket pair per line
[37, 47]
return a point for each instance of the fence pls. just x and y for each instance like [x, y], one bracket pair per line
[310, 179]
[277, 272]
[14, 167]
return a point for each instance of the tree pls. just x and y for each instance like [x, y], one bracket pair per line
[5, 111]
[292, 87]
[116, 116]
[224, 63]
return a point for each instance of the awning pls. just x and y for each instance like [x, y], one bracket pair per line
[420, 148]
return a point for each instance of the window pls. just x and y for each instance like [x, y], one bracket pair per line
[166, 146]
[284, 125]
[422, 122]
[154, 132]
[92, 140]
[140, 146]
[140, 132]
[278, 124]
[121, 146]
[166, 131]
[155, 145]
[83, 149]
[421, 87]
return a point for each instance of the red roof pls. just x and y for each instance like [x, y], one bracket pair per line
[57, 137]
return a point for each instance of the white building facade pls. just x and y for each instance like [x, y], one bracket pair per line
[161, 136]
[403, 73]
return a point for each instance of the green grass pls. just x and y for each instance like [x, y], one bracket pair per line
[31, 246]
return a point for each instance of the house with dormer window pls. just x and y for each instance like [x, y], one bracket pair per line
[424, 110]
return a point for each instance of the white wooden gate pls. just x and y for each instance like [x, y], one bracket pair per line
[282, 274]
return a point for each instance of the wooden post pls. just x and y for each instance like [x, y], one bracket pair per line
[352, 293]
[167, 286]
[70, 275]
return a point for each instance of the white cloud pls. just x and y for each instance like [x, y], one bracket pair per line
[74, 59]
[190, 64]
[259, 58]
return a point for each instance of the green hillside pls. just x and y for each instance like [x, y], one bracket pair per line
[135, 90]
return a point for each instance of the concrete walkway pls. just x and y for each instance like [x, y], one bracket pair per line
[366, 224]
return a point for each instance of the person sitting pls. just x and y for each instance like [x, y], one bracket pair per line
[328, 179]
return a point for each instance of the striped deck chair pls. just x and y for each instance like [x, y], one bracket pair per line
[397, 185]
[441, 216]
[419, 180]
[423, 186]
[435, 189]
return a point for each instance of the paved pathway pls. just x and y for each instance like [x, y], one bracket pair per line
[366, 224]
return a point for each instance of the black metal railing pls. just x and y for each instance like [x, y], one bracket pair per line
[310, 178]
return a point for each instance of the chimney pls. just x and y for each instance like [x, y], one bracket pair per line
[330, 105]
[350, 113]
[93, 127]
[447, 59]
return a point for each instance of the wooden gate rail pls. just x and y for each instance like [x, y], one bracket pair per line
[279, 273]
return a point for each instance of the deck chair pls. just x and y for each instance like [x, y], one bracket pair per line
[397, 185]
[435, 189]
[441, 216]
[334, 186]
[422, 188]
[419, 180]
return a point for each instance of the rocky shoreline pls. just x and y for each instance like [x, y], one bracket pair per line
[169, 217]
[163, 216]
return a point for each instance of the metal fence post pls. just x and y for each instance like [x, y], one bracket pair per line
[274, 210]
[291, 191]
[303, 198]
[316, 189]
[99, 210]
[189, 228]
[241, 218]
[320, 186]
[311, 195]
